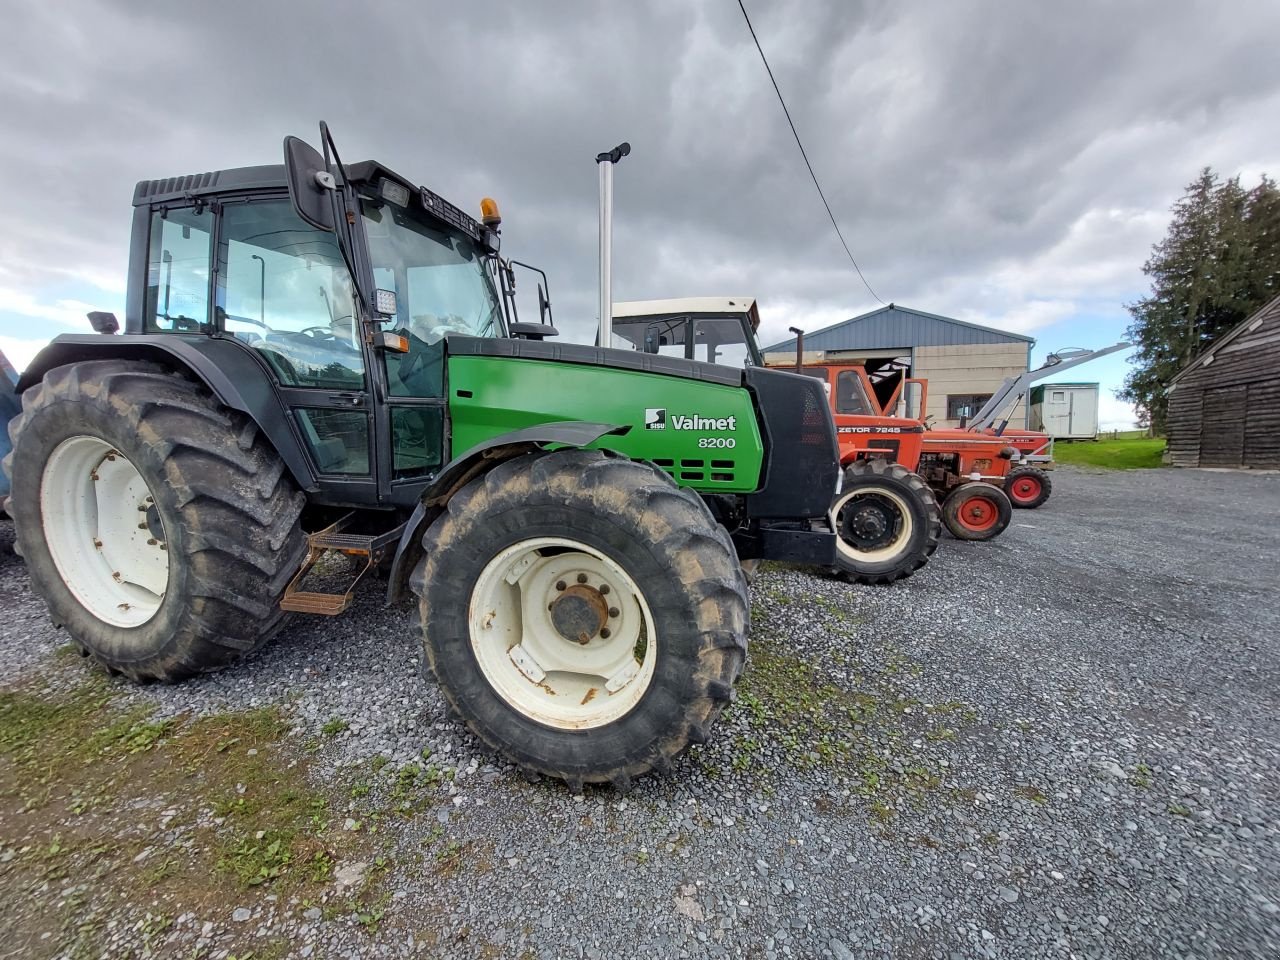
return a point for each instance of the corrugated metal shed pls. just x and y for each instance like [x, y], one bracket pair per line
[895, 326]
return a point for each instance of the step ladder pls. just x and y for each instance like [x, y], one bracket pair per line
[334, 538]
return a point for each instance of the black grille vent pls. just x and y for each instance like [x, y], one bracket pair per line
[194, 181]
[695, 471]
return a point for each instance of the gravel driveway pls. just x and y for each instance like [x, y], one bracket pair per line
[1061, 743]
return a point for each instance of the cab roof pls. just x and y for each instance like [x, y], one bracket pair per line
[267, 177]
[691, 305]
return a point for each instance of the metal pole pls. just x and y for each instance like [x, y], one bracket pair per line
[605, 162]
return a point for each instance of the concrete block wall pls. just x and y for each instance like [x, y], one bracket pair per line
[969, 369]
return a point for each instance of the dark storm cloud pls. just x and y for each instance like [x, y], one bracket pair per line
[1007, 159]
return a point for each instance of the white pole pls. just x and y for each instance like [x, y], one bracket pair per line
[605, 162]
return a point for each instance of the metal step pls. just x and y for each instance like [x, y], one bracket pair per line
[333, 538]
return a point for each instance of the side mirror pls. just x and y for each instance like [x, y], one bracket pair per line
[911, 398]
[103, 322]
[310, 183]
[531, 331]
[544, 306]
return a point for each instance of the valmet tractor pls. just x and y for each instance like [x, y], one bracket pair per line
[325, 359]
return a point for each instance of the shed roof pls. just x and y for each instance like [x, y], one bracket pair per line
[895, 326]
[1259, 315]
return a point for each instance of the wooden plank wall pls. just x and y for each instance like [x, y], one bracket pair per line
[1228, 413]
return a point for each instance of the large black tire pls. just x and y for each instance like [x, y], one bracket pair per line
[1028, 487]
[976, 511]
[886, 520]
[662, 537]
[227, 508]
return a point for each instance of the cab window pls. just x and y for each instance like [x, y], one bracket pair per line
[850, 397]
[284, 290]
[178, 271]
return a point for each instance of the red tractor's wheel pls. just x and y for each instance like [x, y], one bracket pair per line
[1028, 487]
[976, 511]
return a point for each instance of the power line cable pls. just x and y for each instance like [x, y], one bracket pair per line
[795, 134]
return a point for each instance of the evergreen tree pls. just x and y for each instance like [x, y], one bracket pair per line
[1218, 263]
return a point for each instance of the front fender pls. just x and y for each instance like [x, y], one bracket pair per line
[464, 468]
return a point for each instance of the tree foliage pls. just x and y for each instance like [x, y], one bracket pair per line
[1218, 263]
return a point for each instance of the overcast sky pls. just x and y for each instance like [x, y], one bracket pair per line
[1008, 163]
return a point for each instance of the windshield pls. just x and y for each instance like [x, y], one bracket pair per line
[711, 339]
[440, 276]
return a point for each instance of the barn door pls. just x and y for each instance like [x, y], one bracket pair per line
[1222, 428]
[1262, 425]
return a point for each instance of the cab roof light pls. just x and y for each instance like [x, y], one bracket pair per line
[393, 192]
[489, 214]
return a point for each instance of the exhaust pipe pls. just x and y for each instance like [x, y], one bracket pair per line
[799, 347]
[605, 162]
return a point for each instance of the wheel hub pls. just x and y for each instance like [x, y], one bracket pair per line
[579, 612]
[869, 523]
[104, 531]
[562, 633]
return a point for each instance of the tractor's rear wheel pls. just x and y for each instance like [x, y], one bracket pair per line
[976, 511]
[159, 527]
[887, 522]
[1028, 487]
[582, 614]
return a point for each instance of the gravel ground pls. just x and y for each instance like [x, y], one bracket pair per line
[1063, 743]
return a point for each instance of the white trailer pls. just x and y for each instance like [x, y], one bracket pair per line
[1065, 411]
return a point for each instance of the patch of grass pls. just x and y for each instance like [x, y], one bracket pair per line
[91, 791]
[1179, 810]
[1142, 776]
[1030, 792]
[1126, 453]
[865, 732]
[334, 726]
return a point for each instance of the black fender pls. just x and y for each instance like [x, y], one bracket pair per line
[464, 468]
[234, 375]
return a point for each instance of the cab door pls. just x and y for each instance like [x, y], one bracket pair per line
[282, 290]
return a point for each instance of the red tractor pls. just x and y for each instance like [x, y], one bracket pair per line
[1026, 483]
[887, 514]
[965, 470]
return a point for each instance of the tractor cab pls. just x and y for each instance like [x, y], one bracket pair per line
[718, 330]
[343, 291]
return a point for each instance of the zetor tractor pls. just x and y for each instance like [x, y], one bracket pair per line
[964, 470]
[326, 359]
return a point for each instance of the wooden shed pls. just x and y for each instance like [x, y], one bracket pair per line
[1224, 406]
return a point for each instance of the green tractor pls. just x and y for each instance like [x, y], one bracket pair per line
[323, 359]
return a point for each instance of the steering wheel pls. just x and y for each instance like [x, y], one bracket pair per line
[317, 333]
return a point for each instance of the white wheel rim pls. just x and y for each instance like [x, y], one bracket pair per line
[891, 549]
[559, 682]
[100, 523]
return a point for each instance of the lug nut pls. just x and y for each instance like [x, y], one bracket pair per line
[561, 585]
[582, 578]
[613, 611]
[604, 633]
[604, 588]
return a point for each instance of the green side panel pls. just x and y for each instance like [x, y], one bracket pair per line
[704, 435]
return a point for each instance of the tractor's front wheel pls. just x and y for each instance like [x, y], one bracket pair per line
[1028, 487]
[976, 511]
[159, 527]
[582, 614]
[887, 522]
